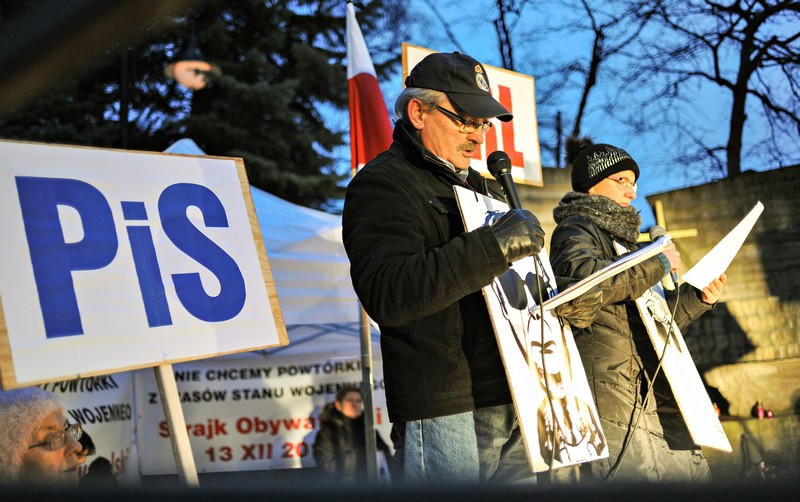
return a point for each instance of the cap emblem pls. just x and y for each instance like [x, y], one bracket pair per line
[481, 81]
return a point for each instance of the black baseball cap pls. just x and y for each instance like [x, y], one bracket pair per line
[463, 79]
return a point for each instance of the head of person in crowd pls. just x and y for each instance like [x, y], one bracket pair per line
[447, 100]
[38, 444]
[99, 475]
[350, 402]
[87, 447]
[601, 169]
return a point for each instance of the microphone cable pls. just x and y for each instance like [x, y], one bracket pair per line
[538, 268]
[631, 431]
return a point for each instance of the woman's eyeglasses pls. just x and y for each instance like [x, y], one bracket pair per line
[467, 126]
[624, 182]
[56, 440]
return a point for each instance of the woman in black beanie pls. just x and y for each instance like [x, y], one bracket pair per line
[594, 223]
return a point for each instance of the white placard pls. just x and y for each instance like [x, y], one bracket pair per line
[113, 260]
[519, 138]
[684, 379]
[555, 408]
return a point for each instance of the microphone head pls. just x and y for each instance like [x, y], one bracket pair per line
[499, 163]
[657, 231]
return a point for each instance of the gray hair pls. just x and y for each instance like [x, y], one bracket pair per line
[21, 413]
[429, 98]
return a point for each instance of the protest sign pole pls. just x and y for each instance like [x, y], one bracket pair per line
[178, 435]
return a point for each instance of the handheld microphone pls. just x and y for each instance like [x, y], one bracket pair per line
[657, 231]
[499, 165]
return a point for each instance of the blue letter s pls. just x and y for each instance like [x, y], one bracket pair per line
[172, 206]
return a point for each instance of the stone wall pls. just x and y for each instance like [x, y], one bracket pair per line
[762, 450]
[748, 348]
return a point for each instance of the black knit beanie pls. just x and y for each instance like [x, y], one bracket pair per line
[596, 162]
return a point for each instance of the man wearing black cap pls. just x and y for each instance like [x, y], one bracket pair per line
[620, 362]
[419, 275]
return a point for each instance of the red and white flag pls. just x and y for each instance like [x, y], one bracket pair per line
[370, 127]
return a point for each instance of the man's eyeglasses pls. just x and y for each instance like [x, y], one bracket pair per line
[56, 440]
[467, 126]
[624, 182]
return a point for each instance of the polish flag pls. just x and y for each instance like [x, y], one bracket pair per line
[370, 127]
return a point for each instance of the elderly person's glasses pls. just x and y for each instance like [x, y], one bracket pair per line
[57, 440]
[467, 126]
[624, 182]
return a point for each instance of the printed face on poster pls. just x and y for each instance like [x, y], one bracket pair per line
[115, 260]
[557, 415]
[519, 138]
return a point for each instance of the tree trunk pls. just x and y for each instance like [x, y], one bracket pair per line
[591, 80]
[738, 116]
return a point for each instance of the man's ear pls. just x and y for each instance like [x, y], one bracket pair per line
[338, 405]
[416, 113]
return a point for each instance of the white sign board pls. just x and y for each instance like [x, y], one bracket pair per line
[519, 138]
[556, 411]
[115, 260]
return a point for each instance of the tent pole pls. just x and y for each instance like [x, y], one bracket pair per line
[367, 391]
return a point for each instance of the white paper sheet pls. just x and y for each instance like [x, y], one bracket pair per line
[716, 261]
[601, 275]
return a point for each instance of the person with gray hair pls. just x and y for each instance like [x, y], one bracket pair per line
[419, 275]
[37, 443]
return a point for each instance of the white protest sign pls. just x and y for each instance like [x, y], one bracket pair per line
[557, 415]
[684, 379]
[519, 138]
[113, 260]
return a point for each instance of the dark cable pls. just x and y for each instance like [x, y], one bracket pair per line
[615, 468]
[554, 435]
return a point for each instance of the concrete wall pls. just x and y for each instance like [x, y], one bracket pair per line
[748, 348]
[762, 449]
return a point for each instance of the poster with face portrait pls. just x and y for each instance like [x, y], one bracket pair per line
[558, 418]
[678, 366]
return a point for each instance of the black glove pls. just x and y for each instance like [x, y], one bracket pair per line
[519, 234]
[583, 310]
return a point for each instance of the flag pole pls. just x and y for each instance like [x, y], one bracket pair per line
[367, 386]
[370, 133]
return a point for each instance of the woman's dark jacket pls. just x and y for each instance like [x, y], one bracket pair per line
[419, 275]
[617, 353]
[340, 446]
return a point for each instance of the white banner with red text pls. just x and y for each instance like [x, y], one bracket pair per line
[249, 411]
